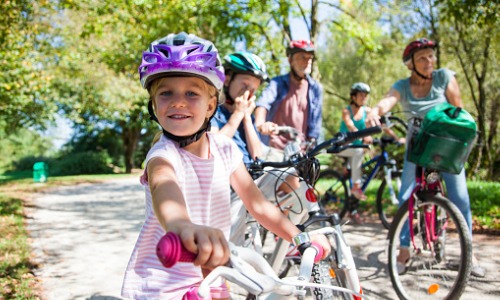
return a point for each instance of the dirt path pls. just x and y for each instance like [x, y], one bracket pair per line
[83, 236]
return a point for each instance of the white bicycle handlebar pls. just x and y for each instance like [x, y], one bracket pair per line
[252, 272]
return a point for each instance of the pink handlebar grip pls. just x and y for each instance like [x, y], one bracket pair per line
[319, 255]
[170, 250]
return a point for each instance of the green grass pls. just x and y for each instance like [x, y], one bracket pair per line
[16, 267]
[16, 278]
[485, 203]
[484, 198]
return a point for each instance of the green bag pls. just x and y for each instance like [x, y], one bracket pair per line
[444, 140]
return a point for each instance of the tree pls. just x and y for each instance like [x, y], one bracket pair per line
[474, 37]
[102, 46]
[25, 99]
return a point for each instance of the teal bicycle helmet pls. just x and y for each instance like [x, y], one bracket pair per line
[246, 63]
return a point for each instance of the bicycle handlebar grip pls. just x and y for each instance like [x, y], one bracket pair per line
[170, 250]
[352, 136]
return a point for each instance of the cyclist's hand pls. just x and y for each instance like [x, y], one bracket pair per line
[323, 241]
[368, 140]
[372, 119]
[268, 128]
[208, 243]
[402, 141]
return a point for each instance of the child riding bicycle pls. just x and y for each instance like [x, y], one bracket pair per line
[189, 172]
[353, 119]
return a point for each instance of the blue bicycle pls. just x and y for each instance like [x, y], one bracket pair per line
[335, 187]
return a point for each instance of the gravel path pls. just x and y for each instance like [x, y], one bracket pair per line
[83, 236]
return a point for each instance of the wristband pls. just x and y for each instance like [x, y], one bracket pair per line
[301, 238]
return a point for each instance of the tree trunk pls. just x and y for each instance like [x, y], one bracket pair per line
[130, 138]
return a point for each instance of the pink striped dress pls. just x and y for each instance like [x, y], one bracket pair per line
[206, 189]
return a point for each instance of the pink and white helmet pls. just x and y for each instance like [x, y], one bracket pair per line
[183, 54]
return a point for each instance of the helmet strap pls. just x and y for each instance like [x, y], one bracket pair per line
[295, 75]
[355, 104]
[183, 141]
[229, 100]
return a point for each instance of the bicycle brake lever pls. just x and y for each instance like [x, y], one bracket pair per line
[246, 268]
[251, 281]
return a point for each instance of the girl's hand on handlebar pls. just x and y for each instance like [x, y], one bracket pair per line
[208, 243]
[322, 240]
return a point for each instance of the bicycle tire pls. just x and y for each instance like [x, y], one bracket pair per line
[432, 271]
[327, 272]
[334, 192]
[386, 208]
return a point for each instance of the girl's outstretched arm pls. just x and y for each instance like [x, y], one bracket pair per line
[170, 210]
[266, 213]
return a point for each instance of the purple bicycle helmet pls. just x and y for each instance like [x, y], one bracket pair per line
[182, 54]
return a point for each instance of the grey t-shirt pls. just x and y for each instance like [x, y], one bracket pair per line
[420, 106]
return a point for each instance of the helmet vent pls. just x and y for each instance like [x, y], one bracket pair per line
[164, 52]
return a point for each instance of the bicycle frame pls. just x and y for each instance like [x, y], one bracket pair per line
[422, 184]
[380, 161]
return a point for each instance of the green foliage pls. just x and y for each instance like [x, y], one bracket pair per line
[24, 81]
[26, 163]
[81, 57]
[485, 200]
[21, 143]
[81, 163]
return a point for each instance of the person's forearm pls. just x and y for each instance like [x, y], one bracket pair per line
[260, 114]
[232, 124]
[269, 216]
[254, 145]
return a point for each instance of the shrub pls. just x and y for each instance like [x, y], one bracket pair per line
[82, 163]
[26, 163]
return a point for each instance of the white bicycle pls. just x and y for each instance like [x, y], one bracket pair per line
[301, 207]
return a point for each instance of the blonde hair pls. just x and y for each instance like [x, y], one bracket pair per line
[155, 85]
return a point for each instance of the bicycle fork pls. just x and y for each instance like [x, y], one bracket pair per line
[388, 180]
[429, 219]
[345, 260]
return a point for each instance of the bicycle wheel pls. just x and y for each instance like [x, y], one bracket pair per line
[387, 202]
[436, 270]
[334, 192]
[327, 272]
